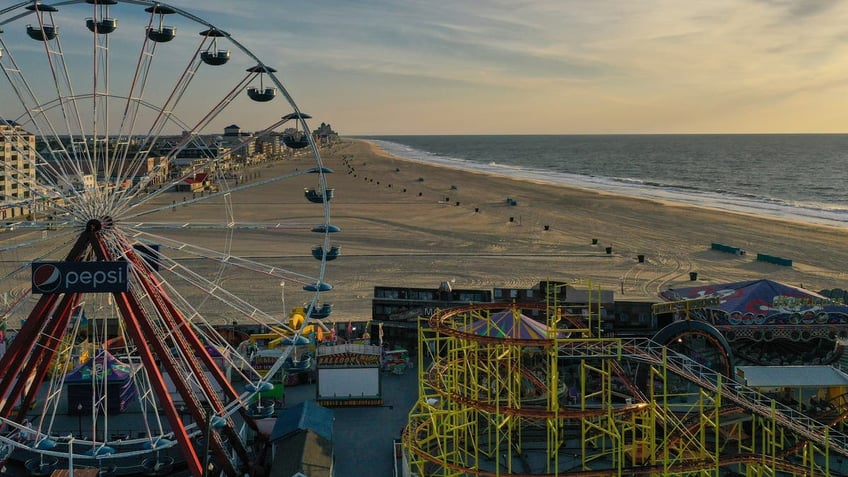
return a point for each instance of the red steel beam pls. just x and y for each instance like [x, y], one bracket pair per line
[49, 342]
[166, 310]
[141, 331]
[184, 327]
[16, 355]
[130, 312]
[18, 349]
[179, 324]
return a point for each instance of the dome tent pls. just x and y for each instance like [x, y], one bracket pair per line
[85, 384]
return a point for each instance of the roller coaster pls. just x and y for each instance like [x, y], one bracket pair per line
[495, 400]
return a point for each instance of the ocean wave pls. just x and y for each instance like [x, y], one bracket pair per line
[822, 213]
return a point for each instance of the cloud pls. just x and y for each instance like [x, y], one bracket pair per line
[649, 64]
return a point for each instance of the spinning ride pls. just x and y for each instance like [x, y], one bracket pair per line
[127, 218]
[764, 322]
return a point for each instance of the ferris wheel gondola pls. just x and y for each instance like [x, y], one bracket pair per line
[297, 137]
[213, 55]
[102, 24]
[262, 93]
[121, 168]
[43, 31]
[161, 33]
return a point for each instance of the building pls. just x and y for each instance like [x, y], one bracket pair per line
[302, 442]
[325, 135]
[399, 308]
[241, 144]
[270, 146]
[17, 153]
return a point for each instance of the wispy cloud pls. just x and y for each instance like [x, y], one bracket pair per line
[577, 66]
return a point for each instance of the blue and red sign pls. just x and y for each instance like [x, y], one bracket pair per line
[80, 277]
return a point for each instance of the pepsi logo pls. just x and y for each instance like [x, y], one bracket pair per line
[80, 277]
[46, 278]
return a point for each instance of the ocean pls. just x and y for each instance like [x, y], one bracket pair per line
[798, 177]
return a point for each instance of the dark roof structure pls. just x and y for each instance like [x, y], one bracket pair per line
[305, 416]
[303, 441]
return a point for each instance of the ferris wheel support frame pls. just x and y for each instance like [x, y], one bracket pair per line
[41, 334]
[40, 328]
[106, 132]
[190, 345]
[141, 331]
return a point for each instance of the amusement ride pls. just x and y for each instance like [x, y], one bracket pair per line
[541, 389]
[130, 243]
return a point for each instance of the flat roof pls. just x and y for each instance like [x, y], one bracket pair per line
[791, 376]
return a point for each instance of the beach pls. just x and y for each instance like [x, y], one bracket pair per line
[405, 223]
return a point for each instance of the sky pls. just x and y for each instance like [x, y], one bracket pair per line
[557, 66]
[383, 67]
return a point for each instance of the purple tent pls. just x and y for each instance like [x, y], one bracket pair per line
[761, 302]
[509, 324]
[88, 379]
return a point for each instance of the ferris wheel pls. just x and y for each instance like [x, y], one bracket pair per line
[137, 221]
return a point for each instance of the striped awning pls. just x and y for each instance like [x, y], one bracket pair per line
[509, 323]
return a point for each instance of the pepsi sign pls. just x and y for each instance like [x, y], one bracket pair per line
[80, 277]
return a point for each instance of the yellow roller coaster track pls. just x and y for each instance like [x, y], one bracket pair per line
[473, 417]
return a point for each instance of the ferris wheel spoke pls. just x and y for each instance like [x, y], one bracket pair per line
[221, 257]
[213, 290]
[105, 122]
[34, 114]
[211, 161]
[47, 32]
[142, 199]
[165, 114]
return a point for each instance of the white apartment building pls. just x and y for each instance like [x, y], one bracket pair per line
[17, 180]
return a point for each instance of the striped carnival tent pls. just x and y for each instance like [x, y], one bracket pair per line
[510, 323]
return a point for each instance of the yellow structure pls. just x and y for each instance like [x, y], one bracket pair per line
[498, 400]
[278, 336]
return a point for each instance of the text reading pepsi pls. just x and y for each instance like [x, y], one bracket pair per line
[80, 277]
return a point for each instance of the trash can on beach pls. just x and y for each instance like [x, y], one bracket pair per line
[693, 276]
[609, 250]
[641, 258]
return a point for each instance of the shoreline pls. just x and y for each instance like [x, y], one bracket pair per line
[672, 197]
[406, 223]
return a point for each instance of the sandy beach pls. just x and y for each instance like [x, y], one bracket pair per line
[404, 223]
[410, 224]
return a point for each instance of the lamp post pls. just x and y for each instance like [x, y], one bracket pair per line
[283, 295]
[206, 442]
[79, 418]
